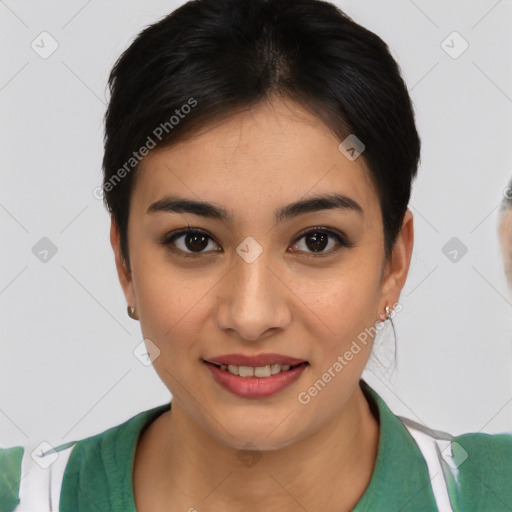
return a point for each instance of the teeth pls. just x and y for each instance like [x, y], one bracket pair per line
[258, 371]
[275, 368]
[262, 371]
[246, 371]
[233, 369]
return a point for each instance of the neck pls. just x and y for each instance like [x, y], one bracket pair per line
[329, 469]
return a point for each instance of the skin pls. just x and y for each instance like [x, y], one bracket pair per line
[505, 237]
[318, 456]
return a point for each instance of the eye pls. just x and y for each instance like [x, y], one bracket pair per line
[317, 240]
[193, 242]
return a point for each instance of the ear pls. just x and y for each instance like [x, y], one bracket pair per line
[123, 271]
[397, 268]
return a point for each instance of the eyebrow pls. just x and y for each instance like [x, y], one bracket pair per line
[177, 204]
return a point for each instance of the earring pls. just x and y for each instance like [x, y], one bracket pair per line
[131, 312]
[388, 312]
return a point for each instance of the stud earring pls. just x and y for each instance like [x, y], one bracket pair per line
[388, 312]
[131, 312]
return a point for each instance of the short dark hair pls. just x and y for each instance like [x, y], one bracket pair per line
[211, 58]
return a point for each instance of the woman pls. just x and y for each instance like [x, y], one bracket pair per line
[258, 165]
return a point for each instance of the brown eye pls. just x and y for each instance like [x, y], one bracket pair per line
[190, 241]
[317, 240]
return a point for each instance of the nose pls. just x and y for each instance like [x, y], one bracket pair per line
[253, 300]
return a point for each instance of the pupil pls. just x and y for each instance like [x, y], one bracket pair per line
[192, 243]
[321, 239]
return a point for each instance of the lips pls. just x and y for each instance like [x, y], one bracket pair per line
[251, 385]
[257, 360]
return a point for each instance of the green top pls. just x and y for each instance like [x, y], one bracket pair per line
[98, 474]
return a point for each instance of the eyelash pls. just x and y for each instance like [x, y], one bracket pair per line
[340, 239]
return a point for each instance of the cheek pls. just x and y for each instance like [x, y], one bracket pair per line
[348, 315]
[348, 300]
[171, 315]
[348, 308]
[171, 305]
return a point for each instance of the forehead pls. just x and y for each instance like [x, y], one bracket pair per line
[271, 154]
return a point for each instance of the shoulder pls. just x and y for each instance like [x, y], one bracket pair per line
[32, 476]
[472, 471]
[10, 474]
[101, 467]
[487, 451]
[484, 464]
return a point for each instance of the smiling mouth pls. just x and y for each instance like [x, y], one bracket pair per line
[257, 371]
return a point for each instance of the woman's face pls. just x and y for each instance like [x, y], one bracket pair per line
[255, 284]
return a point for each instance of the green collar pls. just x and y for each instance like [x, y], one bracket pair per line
[400, 480]
[101, 467]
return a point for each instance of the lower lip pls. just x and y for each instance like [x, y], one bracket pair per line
[256, 387]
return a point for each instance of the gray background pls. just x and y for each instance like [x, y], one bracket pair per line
[66, 364]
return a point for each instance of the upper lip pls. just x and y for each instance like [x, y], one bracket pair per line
[257, 360]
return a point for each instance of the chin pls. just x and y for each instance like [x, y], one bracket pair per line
[257, 443]
[259, 435]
